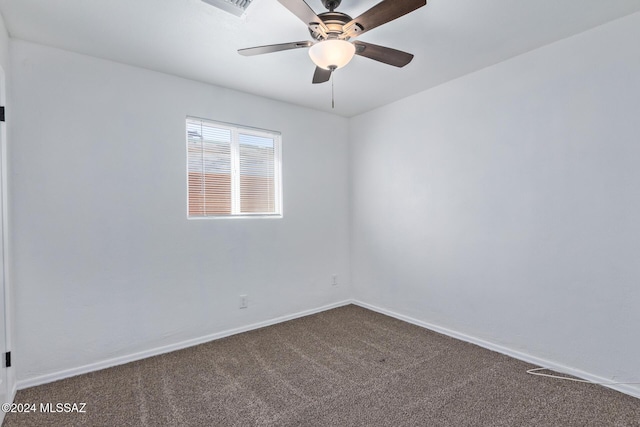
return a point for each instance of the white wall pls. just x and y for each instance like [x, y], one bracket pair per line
[505, 205]
[105, 262]
[502, 205]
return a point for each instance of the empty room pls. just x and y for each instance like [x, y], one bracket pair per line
[320, 213]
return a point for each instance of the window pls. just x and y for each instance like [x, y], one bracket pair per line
[232, 170]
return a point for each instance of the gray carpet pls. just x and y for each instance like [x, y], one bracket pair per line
[344, 367]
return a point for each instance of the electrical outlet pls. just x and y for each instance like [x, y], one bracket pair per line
[334, 280]
[244, 301]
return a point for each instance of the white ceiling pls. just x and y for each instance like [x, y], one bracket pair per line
[192, 39]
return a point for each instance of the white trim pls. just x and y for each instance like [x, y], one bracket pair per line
[11, 398]
[257, 130]
[239, 216]
[10, 386]
[235, 132]
[55, 376]
[622, 388]
[43, 379]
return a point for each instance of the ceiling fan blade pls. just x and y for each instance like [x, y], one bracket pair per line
[259, 50]
[383, 12]
[321, 75]
[390, 56]
[305, 13]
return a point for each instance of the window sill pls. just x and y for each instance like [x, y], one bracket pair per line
[265, 216]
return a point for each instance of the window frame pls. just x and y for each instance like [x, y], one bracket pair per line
[235, 130]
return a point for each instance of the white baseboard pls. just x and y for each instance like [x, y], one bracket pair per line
[10, 399]
[12, 396]
[43, 379]
[121, 360]
[623, 388]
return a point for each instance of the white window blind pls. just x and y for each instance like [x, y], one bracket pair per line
[232, 170]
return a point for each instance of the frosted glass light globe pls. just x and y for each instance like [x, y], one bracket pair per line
[332, 54]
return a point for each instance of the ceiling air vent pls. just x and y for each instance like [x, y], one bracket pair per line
[235, 7]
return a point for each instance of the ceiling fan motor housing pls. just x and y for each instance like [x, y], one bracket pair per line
[334, 21]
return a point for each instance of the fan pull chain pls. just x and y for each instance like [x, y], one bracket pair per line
[333, 104]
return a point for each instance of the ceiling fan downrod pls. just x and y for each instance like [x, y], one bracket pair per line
[333, 99]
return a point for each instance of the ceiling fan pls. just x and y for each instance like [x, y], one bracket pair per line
[332, 31]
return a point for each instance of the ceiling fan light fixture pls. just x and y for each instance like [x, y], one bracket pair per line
[332, 54]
